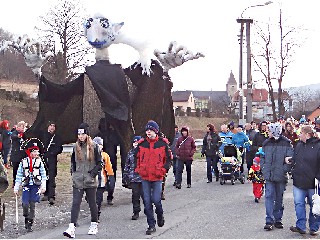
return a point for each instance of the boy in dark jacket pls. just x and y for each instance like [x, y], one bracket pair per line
[134, 179]
[185, 149]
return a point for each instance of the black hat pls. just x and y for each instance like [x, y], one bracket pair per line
[83, 129]
[32, 144]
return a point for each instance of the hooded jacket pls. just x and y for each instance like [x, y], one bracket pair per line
[153, 158]
[185, 147]
[306, 163]
[272, 163]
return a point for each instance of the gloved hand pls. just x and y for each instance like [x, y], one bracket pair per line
[9, 133]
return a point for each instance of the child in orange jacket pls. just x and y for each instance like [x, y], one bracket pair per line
[106, 180]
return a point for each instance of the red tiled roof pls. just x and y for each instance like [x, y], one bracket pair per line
[258, 95]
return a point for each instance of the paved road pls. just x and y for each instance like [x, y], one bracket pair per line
[207, 210]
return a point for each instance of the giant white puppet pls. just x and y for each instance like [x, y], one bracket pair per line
[128, 116]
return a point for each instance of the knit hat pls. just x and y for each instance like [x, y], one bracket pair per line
[152, 125]
[275, 129]
[98, 140]
[136, 139]
[83, 129]
[256, 160]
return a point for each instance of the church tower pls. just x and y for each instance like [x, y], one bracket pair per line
[231, 86]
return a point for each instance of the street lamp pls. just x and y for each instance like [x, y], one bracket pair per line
[249, 80]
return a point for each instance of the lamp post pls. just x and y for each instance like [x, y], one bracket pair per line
[243, 21]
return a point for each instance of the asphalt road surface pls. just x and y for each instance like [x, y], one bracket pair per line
[206, 210]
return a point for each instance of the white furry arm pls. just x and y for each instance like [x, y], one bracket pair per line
[175, 56]
[32, 51]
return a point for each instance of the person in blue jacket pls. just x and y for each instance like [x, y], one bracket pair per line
[241, 141]
[226, 137]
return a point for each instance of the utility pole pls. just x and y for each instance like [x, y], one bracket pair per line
[249, 79]
[241, 115]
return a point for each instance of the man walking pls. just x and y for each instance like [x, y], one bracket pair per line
[52, 147]
[153, 160]
[274, 169]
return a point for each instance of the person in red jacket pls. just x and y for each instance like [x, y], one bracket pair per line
[185, 149]
[153, 160]
[255, 175]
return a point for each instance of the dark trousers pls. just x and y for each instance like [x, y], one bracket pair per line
[112, 152]
[174, 167]
[180, 166]
[137, 193]
[15, 166]
[212, 162]
[52, 174]
[76, 202]
[29, 209]
[5, 153]
[109, 188]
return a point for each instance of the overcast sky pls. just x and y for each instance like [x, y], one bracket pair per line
[206, 26]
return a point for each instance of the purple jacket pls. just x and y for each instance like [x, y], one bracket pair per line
[185, 148]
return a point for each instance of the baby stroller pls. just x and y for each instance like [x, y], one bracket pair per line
[230, 165]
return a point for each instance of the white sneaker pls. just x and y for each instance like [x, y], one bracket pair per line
[70, 232]
[93, 229]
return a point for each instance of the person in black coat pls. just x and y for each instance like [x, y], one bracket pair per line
[211, 144]
[17, 138]
[52, 148]
[306, 168]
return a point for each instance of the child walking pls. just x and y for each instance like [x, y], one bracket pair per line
[106, 179]
[31, 175]
[255, 175]
[134, 179]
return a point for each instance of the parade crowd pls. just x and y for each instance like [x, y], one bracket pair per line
[273, 152]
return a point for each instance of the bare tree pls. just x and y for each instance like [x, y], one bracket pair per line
[274, 57]
[62, 32]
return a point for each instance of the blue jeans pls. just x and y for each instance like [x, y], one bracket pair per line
[180, 165]
[274, 201]
[299, 196]
[152, 194]
[212, 165]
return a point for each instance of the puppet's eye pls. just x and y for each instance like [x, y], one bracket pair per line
[104, 22]
[88, 23]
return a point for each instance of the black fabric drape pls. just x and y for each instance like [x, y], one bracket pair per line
[62, 104]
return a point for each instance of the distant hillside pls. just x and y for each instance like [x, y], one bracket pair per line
[313, 87]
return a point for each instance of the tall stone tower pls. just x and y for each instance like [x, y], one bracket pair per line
[231, 86]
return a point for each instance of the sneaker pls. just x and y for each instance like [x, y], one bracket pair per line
[174, 184]
[189, 186]
[178, 185]
[268, 226]
[110, 202]
[209, 181]
[256, 200]
[278, 225]
[150, 230]
[44, 198]
[135, 216]
[160, 220]
[70, 232]
[298, 230]
[51, 201]
[93, 229]
[217, 178]
[163, 197]
[313, 233]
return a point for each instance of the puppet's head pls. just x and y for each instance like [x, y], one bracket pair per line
[100, 32]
